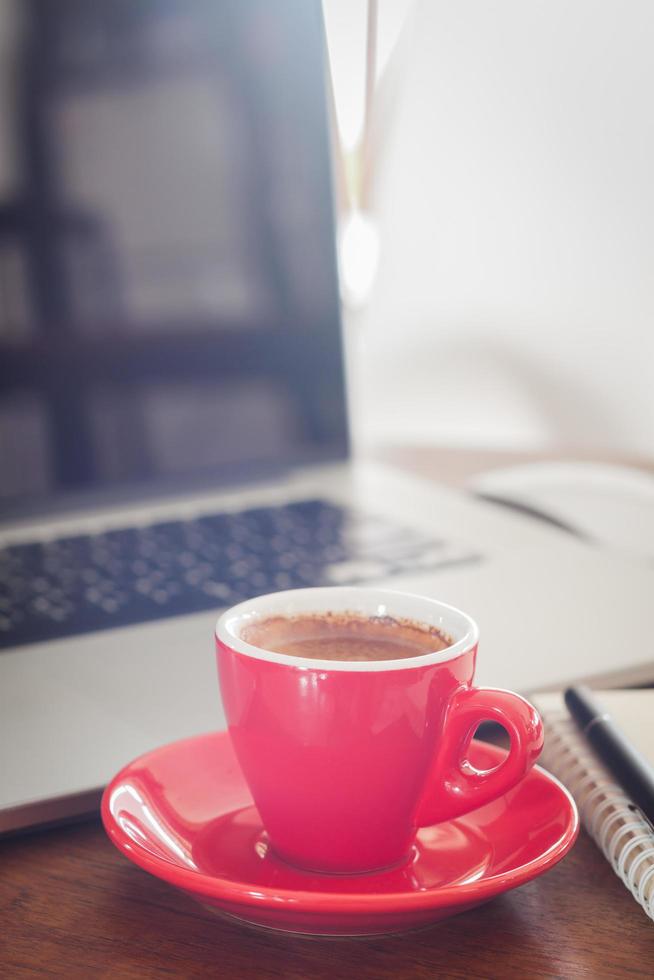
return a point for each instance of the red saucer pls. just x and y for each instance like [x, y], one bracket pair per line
[184, 813]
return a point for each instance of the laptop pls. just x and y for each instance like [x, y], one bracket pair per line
[173, 418]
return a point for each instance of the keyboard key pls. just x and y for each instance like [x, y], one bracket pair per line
[124, 576]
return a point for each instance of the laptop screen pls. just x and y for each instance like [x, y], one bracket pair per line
[168, 294]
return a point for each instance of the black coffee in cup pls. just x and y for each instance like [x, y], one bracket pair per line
[345, 636]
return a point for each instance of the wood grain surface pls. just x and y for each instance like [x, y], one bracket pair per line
[72, 906]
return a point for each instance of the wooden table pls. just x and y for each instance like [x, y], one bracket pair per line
[71, 906]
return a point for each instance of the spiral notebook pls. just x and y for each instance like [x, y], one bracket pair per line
[615, 823]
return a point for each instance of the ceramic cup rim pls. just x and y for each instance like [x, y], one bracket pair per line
[356, 599]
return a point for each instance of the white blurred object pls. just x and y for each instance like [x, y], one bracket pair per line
[346, 27]
[609, 505]
[358, 257]
[362, 36]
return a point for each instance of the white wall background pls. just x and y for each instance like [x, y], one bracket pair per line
[514, 304]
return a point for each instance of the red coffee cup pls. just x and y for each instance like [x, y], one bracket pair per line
[346, 760]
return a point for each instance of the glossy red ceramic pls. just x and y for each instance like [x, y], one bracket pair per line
[345, 760]
[185, 814]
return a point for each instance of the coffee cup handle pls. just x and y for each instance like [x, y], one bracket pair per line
[462, 787]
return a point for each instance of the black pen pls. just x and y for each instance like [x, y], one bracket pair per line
[630, 769]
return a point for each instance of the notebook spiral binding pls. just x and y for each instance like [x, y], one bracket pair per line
[617, 826]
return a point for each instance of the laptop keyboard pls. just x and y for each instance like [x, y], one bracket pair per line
[80, 584]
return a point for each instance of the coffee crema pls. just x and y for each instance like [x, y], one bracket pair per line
[345, 636]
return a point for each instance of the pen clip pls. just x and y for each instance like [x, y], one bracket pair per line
[605, 716]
